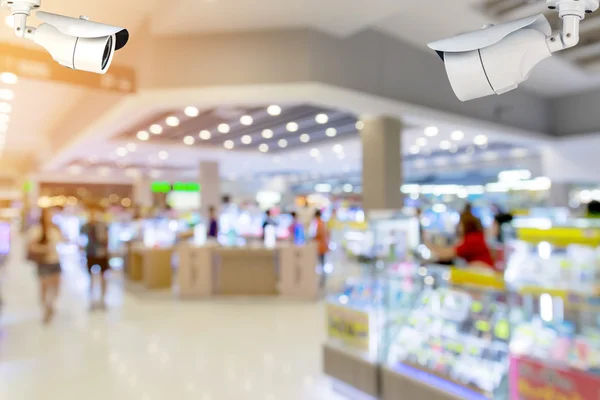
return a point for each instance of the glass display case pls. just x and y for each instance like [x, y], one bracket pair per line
[449, 338]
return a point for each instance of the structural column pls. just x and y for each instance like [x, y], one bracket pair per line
[559, 194]
[210, 186]
[142, 193]
[382, 164]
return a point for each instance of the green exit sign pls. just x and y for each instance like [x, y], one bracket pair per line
[166, 187]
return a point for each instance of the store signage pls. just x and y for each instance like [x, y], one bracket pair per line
[167, 187]
[31, 63]
[533, 380]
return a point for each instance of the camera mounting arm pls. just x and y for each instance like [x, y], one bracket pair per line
[21, 9]
[571, 12]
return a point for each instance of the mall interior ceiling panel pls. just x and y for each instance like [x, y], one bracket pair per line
[267, 128]
[586, 54]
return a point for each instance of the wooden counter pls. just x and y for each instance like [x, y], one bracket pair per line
[150, 266]
[246, 271]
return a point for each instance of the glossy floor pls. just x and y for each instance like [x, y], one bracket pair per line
[156, 347]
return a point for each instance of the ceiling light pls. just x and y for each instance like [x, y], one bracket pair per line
[7, 94]
[246, 120]
[292, 127]
[305, 138]
[421, 142]
[224, 128]
[156, 129]
[323, 187]
[445, 145]
[10, 21]
[246, 139]
[131, 147]
[143, 135]
[9, 78]
[4, 118]
[121, 151]
[480, 140]
[431, 131]
[172, 121]
[331, 132]
[5, 108]
[457, 135]
[267, 134]
[415, 149]
[322, 118]
[274, 110]
[204, 135]
[360, 125]
[228, 144]
[282, 143]
[263, 148]
[163, 155]
[315, 152]
[189, 140]
[338, 148]
[191, 111]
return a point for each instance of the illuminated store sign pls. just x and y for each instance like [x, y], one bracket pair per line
[166, 187]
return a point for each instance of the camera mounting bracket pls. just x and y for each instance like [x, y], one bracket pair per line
[571, 12]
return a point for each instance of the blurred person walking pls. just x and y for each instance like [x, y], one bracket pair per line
[213, 224]
[321, 236]
[96, 251]
[43, 239]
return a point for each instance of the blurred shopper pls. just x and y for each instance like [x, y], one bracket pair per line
[293, 224]
[268, 222]
[593, 209]
[43, 239]
[213, 224]
[96, 251]
[472, 247]
[501, 220]
[321, 236]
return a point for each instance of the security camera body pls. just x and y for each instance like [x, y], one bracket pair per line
[497, 58]
[76, 43]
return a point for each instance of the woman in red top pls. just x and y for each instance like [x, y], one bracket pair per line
[473, 247]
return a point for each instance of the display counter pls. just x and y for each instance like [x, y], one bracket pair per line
[213, 270]
[150, 266]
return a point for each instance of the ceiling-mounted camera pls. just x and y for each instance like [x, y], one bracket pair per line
[76, 43]
[497, 58]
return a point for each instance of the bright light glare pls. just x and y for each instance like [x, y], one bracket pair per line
[172, 121]
[143, 135]
[188, 140]
[204, 135]
[331, 132]
[431, 131]
[305, 138]
[322, 118]
[9, 78]
[267, 134]
[274, 110]
[191, 111]
[246, 139]
[246, 120]
[7, 94]
[457, 135]
[292, 127]
[224, 128]
[480, 140]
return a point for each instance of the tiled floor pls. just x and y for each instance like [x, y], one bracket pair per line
[156, 348]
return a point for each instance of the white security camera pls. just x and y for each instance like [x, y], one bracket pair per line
[497, 58]
[76, 43]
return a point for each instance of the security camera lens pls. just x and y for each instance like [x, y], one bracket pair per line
[107, 51]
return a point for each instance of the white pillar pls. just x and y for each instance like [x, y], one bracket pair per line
[382, 164]
[142, 192]
[210, 186]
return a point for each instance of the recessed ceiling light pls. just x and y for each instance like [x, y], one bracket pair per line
[421, 142]
[445, 145]
[4, 118]
[263, 148]
[156, 129]
[131, 147]
[431, 131]
[228, 144]
[305, 138]
[282, 143]
[331, 132]
[360, 125]
[415, 149]
[322, 118]
[246, 139]
[191, 111]
[480, 140]
[315, 152]
[121, 151]
[5, 108]
[338, 148]
[246, 120]
[457, 135]
[7, 94]
[189, 140]
[143, 135]
[224, 128]
[292, 127]
[267, 134]
[274, 110]
[9, 78]
[172, 121]
[163, 155]
[204, 135]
